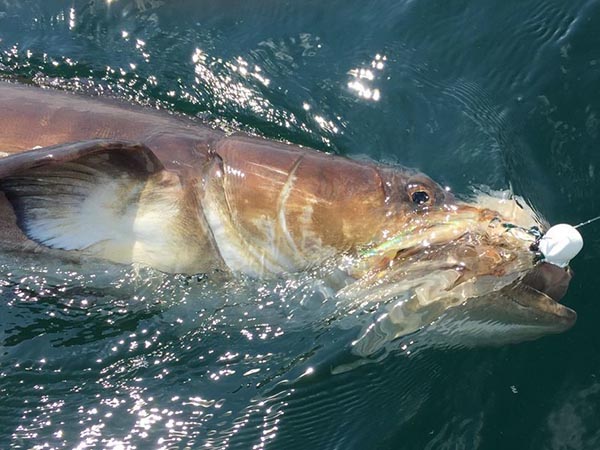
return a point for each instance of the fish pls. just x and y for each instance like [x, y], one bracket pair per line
[84, 177]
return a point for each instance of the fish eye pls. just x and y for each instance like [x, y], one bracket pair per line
[420, 194]
[420, 197]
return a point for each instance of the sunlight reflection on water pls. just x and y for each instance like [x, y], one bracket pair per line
[117, 358]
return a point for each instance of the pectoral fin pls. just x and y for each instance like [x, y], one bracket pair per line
[80, 196]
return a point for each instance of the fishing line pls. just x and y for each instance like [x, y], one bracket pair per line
[587, 222]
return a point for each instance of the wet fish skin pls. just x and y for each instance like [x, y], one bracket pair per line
[237, 202]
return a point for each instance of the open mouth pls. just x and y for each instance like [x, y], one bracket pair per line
[540, 292]
[549, 279]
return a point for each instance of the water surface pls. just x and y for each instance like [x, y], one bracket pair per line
[502, 94]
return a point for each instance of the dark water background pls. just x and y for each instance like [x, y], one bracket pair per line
[495, 93]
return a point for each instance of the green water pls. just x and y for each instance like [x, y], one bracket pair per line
[472, 93]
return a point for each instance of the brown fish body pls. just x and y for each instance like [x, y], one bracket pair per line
[236, 202]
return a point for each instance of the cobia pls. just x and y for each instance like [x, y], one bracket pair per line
[95, 178]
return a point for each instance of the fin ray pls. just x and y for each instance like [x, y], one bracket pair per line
[75, 196]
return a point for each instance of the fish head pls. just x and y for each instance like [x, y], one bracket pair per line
[473, 259]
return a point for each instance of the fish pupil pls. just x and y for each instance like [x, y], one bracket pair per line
[420, 197]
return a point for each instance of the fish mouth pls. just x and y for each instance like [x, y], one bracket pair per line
[525, 310]
[541, 291]
[549, 279]
[476, 264]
